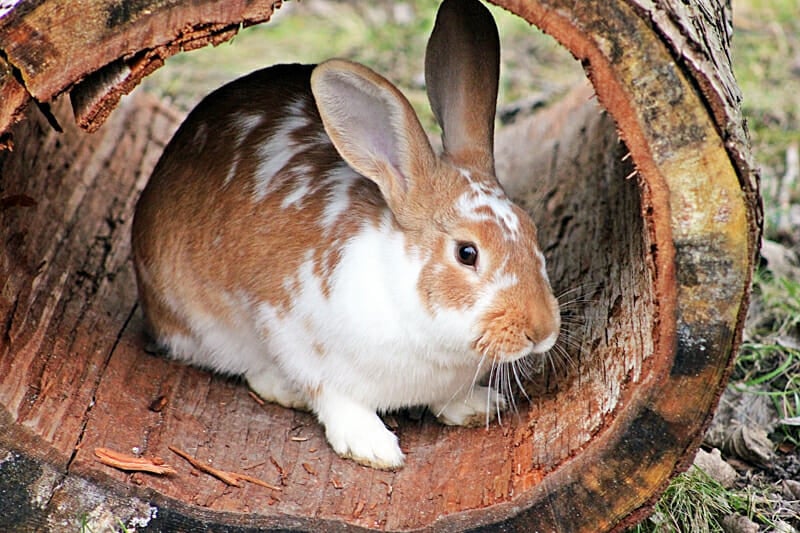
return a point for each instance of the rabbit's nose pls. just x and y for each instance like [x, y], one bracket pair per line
[545, 327]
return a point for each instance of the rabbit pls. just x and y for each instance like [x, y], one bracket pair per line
[299, 230]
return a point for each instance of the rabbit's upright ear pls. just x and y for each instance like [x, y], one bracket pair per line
[374, 128]
[462, 67]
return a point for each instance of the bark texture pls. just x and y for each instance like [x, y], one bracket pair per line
[641, 183]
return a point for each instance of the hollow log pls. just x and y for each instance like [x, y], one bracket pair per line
[641, 183]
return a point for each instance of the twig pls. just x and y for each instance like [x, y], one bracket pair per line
[233, 479]
[131, 463]
[256, 398]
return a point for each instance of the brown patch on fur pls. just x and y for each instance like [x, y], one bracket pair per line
[318, 348]
[202, 239]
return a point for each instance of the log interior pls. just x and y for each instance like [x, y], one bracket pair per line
[74, 373]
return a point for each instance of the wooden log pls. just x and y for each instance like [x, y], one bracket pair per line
[651, 237]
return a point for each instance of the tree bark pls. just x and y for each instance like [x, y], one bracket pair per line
[649, 214]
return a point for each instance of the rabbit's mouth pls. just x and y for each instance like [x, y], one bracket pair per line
[508, 336]
[503, 345]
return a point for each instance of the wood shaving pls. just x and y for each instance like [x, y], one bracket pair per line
[250, 467]
[257, 398]
[281, 471]
[233, 479]
[131, 463]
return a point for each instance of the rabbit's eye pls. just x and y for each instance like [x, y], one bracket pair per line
[467, 254]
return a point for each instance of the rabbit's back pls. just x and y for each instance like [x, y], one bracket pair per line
[249, 190]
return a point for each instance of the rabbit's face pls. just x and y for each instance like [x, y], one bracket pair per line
[484, 263]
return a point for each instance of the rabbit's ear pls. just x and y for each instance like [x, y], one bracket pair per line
[373, 127]
[462, 66]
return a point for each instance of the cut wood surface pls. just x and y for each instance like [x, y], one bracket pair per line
[652, 236]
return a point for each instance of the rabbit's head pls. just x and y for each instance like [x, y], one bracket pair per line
[482, 265]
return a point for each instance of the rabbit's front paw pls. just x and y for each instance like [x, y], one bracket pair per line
[358, 433]
[475, 409]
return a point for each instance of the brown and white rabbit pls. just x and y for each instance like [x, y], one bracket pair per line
[299, 230]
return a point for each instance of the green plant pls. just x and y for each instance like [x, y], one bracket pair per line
[769, 361]
[694, 502]
[84, 524]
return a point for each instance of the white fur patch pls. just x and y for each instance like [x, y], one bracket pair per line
[242, 125]
[279, 148]
[503, 280]
[301, 190]
[481, 196]
[543, 268]
[372, 338]
[343, 177]
[218, 346]
[8, 6]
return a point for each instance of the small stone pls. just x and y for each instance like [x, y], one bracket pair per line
[781, 260]
[791, 489]
[783, 527]
[735, 523]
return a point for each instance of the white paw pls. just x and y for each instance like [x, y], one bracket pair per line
[475, 409]
[271, 386]
[357, 433]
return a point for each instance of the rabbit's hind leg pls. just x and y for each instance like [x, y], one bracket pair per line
[271, 384]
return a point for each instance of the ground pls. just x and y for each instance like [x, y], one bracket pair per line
[758, 425]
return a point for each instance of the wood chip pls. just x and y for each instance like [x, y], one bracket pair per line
[233, 479]
[310, 469]
[257, 398]
[281, 471]
[131, 463]
[250, 467]
[336, 484]
[299, 439]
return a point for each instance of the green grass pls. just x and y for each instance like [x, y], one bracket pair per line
[696, 503]
[84, 527]
[769, 361]
[766, 56]
[693, 502]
